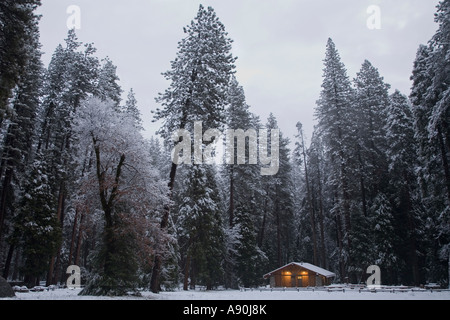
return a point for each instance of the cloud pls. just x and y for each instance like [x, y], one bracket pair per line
[280, 44]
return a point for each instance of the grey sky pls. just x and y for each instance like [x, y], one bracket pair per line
[280, 44]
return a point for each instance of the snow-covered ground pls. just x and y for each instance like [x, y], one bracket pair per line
[348, 294]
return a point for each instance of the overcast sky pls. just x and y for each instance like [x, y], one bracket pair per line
[280, 44]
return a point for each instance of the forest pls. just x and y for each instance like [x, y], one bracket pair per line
[80, 185]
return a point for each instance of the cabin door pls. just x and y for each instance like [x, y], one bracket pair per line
[293, 283]
[302, 281]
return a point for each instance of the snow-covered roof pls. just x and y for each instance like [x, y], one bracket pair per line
[308, 266]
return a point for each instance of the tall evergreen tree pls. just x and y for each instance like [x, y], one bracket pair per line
[201, 225]
[243, 181]
[371, 101]
[37, 227]
[131, 108]
[17, 20]
[71, 77]
[371, 168]
[249, 257]
[276, 231]
[430, 96]
[402, 158]
[199, 77]
[300, 160]
[334, 113]
[107, 86]
[16, 148]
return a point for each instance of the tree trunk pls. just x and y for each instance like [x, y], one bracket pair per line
[59, 217]
[448, 267]
[340, 243]
[445, 163]
[74, 231]
[231, 222]
[154, 281]
[321, 218]
[310, 205]
[263, 225]
[361, 182]
[3, 199]
[79, 241]
[411, 231]
[8, 261]
[186, 273]
[107, 206]
[278, 222]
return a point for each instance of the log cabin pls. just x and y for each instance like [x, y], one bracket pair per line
[299, 275]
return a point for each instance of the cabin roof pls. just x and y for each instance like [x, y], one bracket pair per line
[305, 265]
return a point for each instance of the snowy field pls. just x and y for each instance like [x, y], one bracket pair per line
[348, 294]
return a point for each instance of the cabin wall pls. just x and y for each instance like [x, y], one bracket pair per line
[297, 277]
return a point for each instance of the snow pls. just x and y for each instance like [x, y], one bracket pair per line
[332, 293]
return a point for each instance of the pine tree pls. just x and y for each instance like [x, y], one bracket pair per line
[301, 160]
[402, 159]
[16, 149]
[371, 101]
[429, 97]
[384, 237]
[37, 227]
[107, 86]
[334, 113]
[199, 78]
[242, 181]
[370, 170]
[249, 256]
[439, 127]
[17, 19]
[201, 225]
[276, 231]
[131, 108]
[316, 165]
[70, 79]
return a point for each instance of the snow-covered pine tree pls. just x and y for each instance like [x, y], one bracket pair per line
[276, 232]
[316, 165]
[37, 229]
[370, 171]
[242, 181]
[199, 80]
[384, 237]
[71, 77]
[335, 113]
[131, 107]
[107, 86]
[249, 257]
[372, 99]
[300, 160]
[402, 159]
[430, 96]
[17, 19]
[16, 147]
[201, 227]
[439, 125]
[159, 156]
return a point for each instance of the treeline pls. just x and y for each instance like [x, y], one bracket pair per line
[80, 185]
[376, 175]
